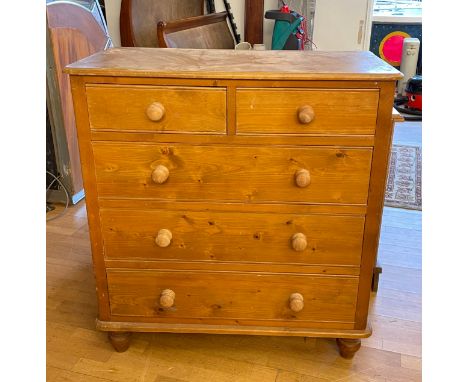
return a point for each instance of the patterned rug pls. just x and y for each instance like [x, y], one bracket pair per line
[404, 178]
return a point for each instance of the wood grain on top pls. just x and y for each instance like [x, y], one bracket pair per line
[235, 64]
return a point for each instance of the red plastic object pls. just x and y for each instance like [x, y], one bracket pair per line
[414, 101]
[392, 48]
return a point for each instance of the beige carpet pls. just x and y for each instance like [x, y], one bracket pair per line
[404, 178]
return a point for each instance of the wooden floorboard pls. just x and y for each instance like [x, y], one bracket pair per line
[78, 352]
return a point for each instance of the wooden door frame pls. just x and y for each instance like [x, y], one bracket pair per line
[253, 21]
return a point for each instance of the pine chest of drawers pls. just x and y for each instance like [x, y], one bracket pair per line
[234, 191]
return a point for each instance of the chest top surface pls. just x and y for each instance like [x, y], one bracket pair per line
[234, 64]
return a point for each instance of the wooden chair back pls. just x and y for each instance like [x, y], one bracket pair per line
[139, 18]
[201, 32]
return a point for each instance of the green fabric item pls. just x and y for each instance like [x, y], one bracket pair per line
[281, 32]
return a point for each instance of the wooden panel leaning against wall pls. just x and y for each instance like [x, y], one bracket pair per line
[74, 31]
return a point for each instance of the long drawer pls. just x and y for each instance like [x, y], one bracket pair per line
[203, 296]
[306, 111]
[168, 109]
[247, 174]
[232, 236]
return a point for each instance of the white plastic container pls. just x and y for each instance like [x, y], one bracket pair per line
[409, 61]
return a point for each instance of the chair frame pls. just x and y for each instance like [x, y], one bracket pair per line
[188, 23]
[127, 36]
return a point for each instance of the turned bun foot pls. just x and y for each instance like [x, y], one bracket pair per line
[120, 340]
[348, 347]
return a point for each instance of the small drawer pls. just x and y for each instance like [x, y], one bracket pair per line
[252, 237]
[306, 112]
[230, 173]
[217, 296]
[164, 109]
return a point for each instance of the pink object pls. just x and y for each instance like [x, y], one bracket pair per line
[392, 48]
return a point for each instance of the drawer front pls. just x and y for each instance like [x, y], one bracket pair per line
[251, 237]
[306, 112]
[229, 295]
[248, 174]
[171, 109]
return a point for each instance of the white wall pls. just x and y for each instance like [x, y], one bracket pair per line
[113, 20]
[237, 8]
[268, 24]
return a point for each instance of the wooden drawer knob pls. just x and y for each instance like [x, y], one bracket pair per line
[155, 111]
[299, 241]
[164, 238]
[305, 114]
[296, 302]
[167, 298]
[302, 178]
[160, 174]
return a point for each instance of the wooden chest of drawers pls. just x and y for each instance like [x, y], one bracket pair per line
[234, 191]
